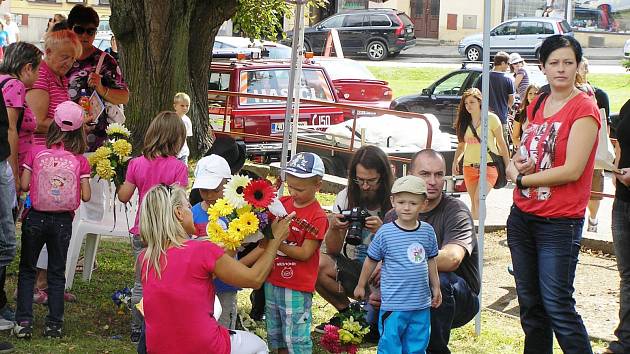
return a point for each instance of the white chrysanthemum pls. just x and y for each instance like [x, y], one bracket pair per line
[233, 191]
[117, 130]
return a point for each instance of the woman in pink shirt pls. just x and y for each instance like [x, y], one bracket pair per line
[19, 71]
[177, 276]
[51, 88]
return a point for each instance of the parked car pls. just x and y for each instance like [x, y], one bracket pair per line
[355, 84]
[442, 97]
[377, 33]
[266, 116]
[521, 35]
[626, 50]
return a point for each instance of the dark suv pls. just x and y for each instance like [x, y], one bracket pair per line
[378, 33]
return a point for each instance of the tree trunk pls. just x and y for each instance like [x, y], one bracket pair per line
[166, 48]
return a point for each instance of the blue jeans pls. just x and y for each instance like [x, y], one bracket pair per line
[54, 230]
[621, 239]
[544, 254]
[459, 306]
[7, 226]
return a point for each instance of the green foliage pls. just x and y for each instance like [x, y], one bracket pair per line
[626, 63]
[264, 18]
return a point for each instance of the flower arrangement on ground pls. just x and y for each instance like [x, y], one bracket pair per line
[243, 211]
[122, 299]
[109, 162]
[349, 336]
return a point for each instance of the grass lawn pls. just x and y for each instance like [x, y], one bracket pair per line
[406, 81]
[92, 324]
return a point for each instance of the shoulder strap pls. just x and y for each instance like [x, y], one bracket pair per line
[540, 100]
[474, 131]
[21, 116]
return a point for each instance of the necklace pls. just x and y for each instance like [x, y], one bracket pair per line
[564, 99]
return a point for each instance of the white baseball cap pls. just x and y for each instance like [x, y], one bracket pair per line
[515, 58]
[210, 171]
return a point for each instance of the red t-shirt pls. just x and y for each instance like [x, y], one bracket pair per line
[546, 140]
[179, 306]
[288, 272]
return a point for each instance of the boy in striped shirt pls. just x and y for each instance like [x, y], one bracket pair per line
[410, 284]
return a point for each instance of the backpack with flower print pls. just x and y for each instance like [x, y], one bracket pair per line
[55, 182]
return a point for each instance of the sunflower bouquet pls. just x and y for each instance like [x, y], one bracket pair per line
[109, 162]
[243, 211]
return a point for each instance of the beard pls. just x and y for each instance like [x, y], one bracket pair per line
[369, 198]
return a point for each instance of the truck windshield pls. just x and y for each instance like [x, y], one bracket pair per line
[275, 82]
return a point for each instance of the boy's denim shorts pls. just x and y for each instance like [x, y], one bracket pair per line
[288, 317]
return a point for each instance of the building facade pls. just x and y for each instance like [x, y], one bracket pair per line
[32, 15]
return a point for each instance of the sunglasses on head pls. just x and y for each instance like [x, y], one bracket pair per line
[80, 30]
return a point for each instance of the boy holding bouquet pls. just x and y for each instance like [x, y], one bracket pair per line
[291, 283]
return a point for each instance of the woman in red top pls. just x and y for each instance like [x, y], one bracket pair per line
[177, 273]
[553, 181]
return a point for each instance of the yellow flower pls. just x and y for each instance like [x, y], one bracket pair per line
[116, 129]
[232, 240]
[223, 206]
[213, 214]
[237, 226]
[249, 222]
[215, 231]
[104, 170]
[93, 160]
[122, 148]
[102, 153]
[345, 337]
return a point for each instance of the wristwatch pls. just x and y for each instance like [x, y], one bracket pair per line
[519, 181]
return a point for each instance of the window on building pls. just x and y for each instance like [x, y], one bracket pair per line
[601, 16]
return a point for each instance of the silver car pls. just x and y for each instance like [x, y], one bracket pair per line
[521, 35]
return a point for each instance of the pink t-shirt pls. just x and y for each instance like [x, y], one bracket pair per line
[57, 89]
[145, 174]
[84, 165]
[179, 306]
[14, 93]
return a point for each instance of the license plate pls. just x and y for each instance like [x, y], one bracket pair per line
[279, 127]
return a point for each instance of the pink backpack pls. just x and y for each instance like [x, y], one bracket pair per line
[55, 183]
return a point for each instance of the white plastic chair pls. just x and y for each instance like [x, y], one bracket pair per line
[84, 227]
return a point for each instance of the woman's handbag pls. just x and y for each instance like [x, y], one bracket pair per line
[498, 163]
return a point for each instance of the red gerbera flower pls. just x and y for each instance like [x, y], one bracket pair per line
[259, 193]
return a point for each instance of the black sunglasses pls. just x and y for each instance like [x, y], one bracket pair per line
[80, 30]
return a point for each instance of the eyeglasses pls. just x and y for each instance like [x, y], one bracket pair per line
[80, 30]
[370, 182]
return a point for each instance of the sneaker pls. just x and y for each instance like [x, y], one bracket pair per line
[23, 330]
[52, 331]
[335, 321]
[40, 296]
[7, 313]
[592, 225]
[6, 324]
[135, 335]
[69, 297]
[6, 347]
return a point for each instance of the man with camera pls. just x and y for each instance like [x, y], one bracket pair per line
[358, 211]
[458, 257]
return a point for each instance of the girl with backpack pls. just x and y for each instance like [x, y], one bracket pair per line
[157, 165]
[57, 176]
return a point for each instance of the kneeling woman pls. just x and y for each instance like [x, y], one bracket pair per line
[177, 278]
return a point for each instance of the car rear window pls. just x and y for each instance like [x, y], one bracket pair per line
[275, 82]
[565, 27]
[380, 21]
[405, 19]
[346, 70]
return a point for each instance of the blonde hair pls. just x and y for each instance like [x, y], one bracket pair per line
[159, 227]
[58, 38]
[165, 136]
[181, 96]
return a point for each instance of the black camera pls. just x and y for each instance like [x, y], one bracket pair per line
[356, 217]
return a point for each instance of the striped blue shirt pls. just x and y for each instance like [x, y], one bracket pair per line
[405, 271]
